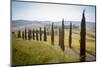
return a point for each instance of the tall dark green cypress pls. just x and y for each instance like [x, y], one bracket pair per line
[29, 34]
[52, 35]
[83, 38]
[62, 36]
[40, 34]
[19, 34]
[45, 34]
[33, 34]
[25, 34]
[59, 36]
[70, 35]
[37, 34]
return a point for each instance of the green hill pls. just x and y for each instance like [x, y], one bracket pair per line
[38, 52]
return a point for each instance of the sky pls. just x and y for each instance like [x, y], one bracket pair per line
[51, 12]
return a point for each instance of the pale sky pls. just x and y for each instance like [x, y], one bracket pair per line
[51, 12]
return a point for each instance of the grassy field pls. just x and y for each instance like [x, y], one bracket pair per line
[90, 40]
[36, 52]
[40, 52]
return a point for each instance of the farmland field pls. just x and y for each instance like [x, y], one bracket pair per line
[40, 52]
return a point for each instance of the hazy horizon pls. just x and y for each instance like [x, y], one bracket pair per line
[49, 20]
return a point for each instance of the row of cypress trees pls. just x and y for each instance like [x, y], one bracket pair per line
[82, 37]
[61, 36]
[33, 34]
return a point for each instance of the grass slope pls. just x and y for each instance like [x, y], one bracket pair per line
[40, 52]
[36, 52]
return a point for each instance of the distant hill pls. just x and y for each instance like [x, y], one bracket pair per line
[18, 23]
[27, 23]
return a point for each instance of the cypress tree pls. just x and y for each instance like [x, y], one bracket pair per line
[25, 34]
[19, 34]
[52, 35]
[70, 35]
[62, 36]
[29, 34]
[40, 34]
[59, 37]
[33, 34]
[45, 34]
[36, 34]
[83, 38]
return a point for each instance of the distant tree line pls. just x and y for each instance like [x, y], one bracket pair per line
[28, 34]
